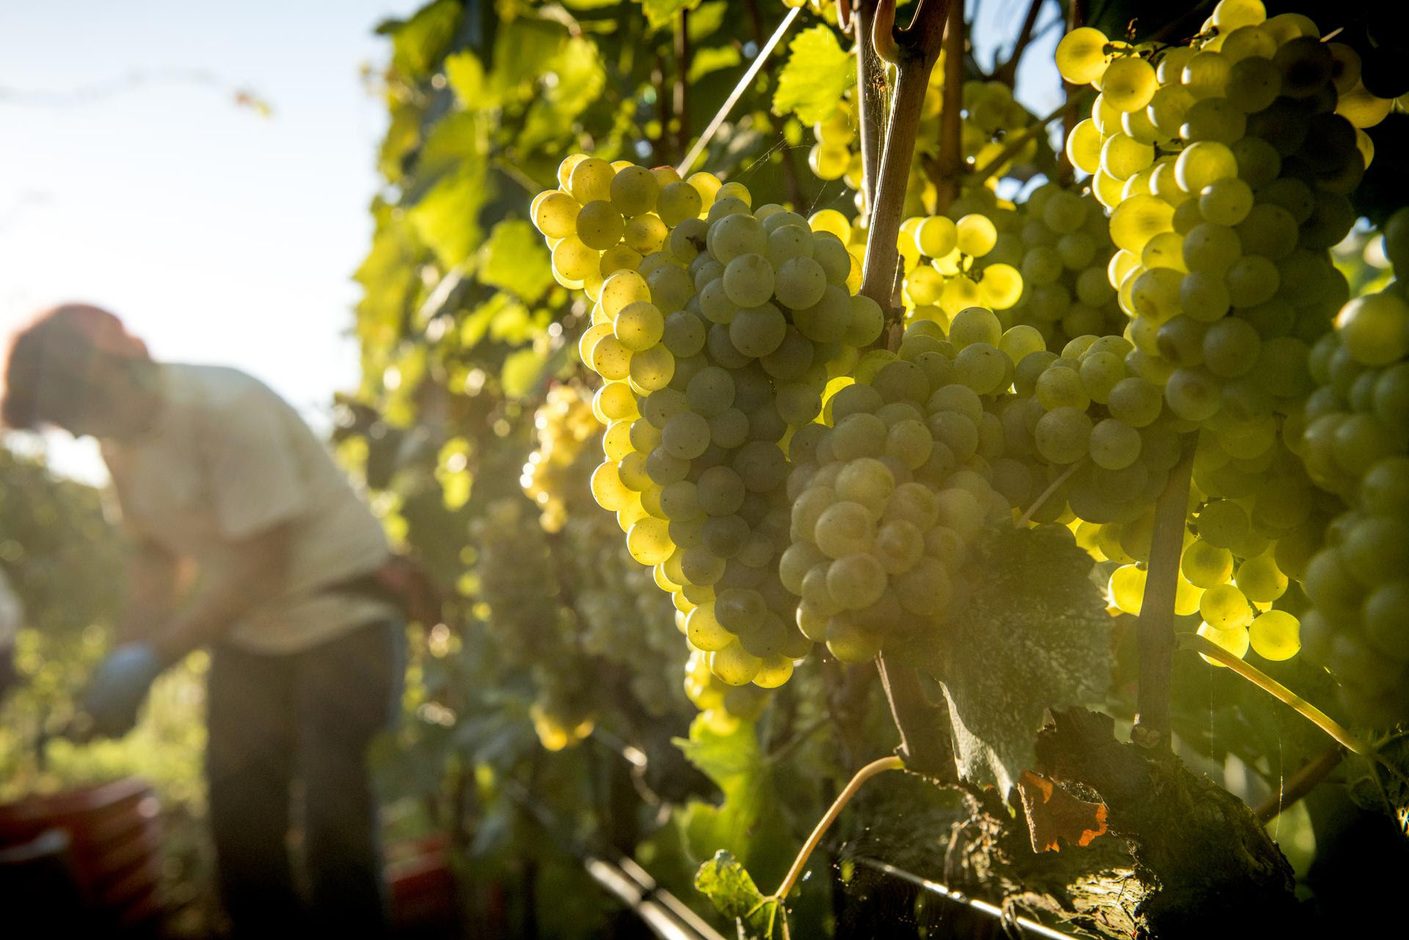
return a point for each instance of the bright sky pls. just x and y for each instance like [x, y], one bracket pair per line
[218, 235]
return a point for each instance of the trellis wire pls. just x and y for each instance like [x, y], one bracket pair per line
[738, 91]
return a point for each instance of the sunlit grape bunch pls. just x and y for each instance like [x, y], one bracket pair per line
[721, 705]
[1050, 251]
[713, 349]
[567, 433]
[1356, 444]
[888, 498]
[1226, 164]
[947, 268]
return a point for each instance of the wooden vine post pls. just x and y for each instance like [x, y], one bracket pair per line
[925, 745]
[913, 51]
[1156, 626]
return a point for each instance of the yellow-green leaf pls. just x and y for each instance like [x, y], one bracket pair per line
[660, 12]
[818, 72]
[514, 259]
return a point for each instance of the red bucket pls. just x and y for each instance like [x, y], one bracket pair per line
[114, 836]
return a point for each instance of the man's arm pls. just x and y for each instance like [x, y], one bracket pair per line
[154, 577]
[247, 572]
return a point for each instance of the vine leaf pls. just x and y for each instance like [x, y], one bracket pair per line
[418, 43]
[661, 12]
[1033, 635]
[1054, 815]
[748, 822]
[817, 74]
[734, 894]
[514, 259]
[464, 73]
[1378, 788]
[444, 217]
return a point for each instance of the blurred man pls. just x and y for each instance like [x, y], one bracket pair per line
[247, 540]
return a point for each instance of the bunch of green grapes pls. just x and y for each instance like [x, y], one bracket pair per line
[991, 116]
[714, 350]
[1356, 444]
[1046, 267]
[618, 611]
[948, 265]
[889, 495]
[1226, 164]
[721, 705]
[520, 601]
[566, 432]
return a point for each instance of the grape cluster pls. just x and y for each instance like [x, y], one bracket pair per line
[516, 579]
[617, 610]
[948, 266]
[721, 705]
[714, 349]
[1356, 444]
[1226, 164]
[888, 499]
[1045, 268]
[566, 433]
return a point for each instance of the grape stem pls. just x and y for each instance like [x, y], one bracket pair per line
[1156, 625]
[1015, 143]
[1272, 687]
[914, 51]
[880, 766]
[1046, 494]
[1300, 783]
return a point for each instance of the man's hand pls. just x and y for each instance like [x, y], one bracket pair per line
[118, 686]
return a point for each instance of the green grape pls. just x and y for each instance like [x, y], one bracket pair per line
[1375, 328]
[1128, 83]
[555, 214]
[1127, 588]
[1114, 444]
[1261, 580]
[975, 235]
[1206, 565]
[755, 332]
[734, 665]
[1122, 157]
[599, 225]
[1063, 435]
[748, 279]
[857, 580]
[677, 202]
[634, 190]
[1224, 607]
[1081, 55]
[800, 281]
[843, 529]
[1233, 639]
[1275, 635]
[639, 326]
